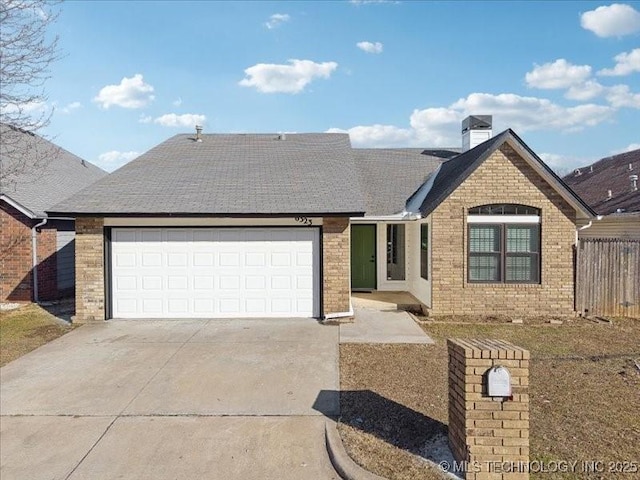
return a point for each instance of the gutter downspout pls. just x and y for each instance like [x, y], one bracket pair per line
[331, 316]
[584, 227]
[34, 258]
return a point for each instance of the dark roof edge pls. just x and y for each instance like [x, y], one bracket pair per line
[473, 165]
[553, 174]
[498, 141]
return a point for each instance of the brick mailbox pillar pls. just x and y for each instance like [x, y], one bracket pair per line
[488, 435]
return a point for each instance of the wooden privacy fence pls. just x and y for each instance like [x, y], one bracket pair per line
[608, 277]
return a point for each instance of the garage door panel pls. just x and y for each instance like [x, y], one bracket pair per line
[209, 272]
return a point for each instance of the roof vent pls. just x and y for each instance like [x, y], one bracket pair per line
[634, 182]
[198, 133]
[591, 169]
[630, 166]
[476, 129]
[282, 136]
[609, 195]
[577, 172]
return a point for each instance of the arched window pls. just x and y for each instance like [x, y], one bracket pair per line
[503, 244]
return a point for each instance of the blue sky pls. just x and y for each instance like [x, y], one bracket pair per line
[564, 75]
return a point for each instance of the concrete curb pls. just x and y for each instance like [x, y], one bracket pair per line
[340, 459]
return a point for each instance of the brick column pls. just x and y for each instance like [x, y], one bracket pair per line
[89, 270]
[336, 266]
[490, 435]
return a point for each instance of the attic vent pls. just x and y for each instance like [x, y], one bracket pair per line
[282, 136]
[634, 182]
[198, 133]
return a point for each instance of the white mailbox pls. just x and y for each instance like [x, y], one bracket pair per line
[499, 382]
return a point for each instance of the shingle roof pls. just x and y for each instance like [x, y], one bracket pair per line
[609, 173]
[231, 174]
[456, 170]
[38, 174]
[391, 175]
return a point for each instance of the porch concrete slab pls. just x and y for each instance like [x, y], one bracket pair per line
[382, 326]
[159, 448]
[46, 448]
[377, 300]
[245, 378]
[67, 378]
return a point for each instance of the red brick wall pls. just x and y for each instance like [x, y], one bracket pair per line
[47, 264]
[15, 255]
[16, 259]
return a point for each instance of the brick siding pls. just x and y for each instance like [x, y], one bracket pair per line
[15, 255]
[488, 433]
[16, 258]
[90, 301]
[503, 178]
[336, 264]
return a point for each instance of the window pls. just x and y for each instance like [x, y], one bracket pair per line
[395, 252]
[424, 251]
[504, 244]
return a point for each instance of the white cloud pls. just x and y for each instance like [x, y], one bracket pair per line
[626, 63]
[175, 120]
[67, 109]
[115, 159]
[628, 148]
[129, 93]
[532, 113]
[177, 102]
[276, 20]
[370, 47]
[559, 74]
[614, 20]
[620, 96]
[378, 135]
[29, 108]
[293, 78]
[440, 127]
[584, 91]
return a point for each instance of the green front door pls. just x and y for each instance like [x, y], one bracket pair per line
[363, 257]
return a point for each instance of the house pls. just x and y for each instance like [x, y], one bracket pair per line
[268, 225]
[610, 187]
[37, 249]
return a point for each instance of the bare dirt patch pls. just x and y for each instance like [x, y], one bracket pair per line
[25, 329]
[585, 395]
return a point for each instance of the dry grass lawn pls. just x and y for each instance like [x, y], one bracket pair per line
[584, 390]
[26, 329]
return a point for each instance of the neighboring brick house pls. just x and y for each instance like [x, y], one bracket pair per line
[35, 175]
[610, 186]
[217, 226]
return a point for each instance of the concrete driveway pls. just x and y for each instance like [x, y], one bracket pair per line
[177, 399]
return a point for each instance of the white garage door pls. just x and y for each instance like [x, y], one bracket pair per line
[215, 272]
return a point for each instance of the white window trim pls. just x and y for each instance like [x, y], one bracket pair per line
[503, 219]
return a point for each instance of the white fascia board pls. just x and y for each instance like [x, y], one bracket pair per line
[503, 219]
[566, 195]
[398, 217]
[18, 207]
